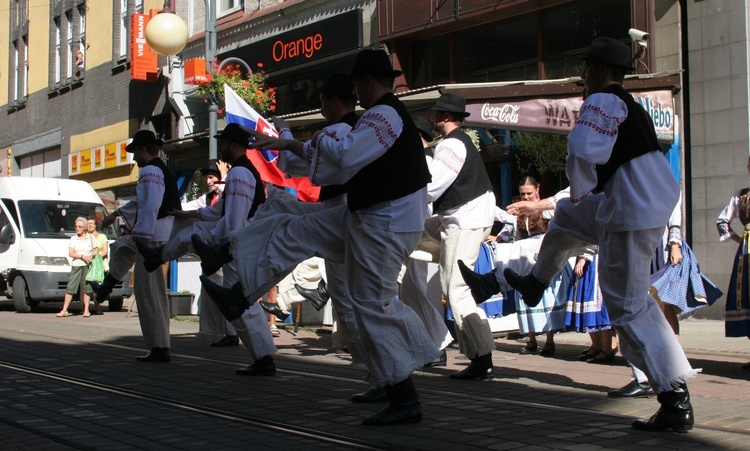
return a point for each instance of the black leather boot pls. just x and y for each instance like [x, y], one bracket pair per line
[317, 296]
[264, 366]
[633, 390]
[530, 288]
[372, 395]
[156, 355]
[151, 255]
[273, 309]
[227, 340]
[479, 368]
[404, 407]
[231, 302]
[212, 257]
[482, 286]
[675, 413]
[104, 289]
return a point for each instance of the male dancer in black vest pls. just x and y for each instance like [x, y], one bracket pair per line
[464, 209]
[383, 162]
[621, 196]
[146, 215]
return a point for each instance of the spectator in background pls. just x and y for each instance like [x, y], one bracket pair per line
[102, 245]
[82, 250]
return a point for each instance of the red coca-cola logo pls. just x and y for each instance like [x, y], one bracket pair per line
[506, 113]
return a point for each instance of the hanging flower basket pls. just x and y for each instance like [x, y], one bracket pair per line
[250, 86]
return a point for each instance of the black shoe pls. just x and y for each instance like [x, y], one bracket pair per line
[273, 309]
[479, 368]
[548, 351]
[317, 296]
[396, 414]
[261, 367]
[231, 302]
[606, 360]
[156, 355]
[371, 395]
[530, 288]
[589, 353]
[227, 340]
[104, 289]
[151, 256]
[529, 350]
[212, 257]
[482, 286]
[442, 360]
[632, 390]
[675, 413]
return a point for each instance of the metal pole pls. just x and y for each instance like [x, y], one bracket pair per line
[210, 55]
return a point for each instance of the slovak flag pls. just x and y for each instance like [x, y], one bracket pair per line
[265, 161]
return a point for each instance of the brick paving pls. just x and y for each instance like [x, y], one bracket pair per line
[533, 402]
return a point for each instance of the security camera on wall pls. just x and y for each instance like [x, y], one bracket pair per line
[641, 38]
[638, 35]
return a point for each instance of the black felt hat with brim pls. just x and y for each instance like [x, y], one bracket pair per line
[143, 137]
[611, 52]
[451, 103]
[338, 85]
[211, 169]
[424, 127]
[374, 63]
[235, 133]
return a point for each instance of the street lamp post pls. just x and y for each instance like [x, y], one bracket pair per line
[213, 108]
[162, 39]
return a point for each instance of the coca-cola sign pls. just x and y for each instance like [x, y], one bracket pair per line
[560, 115]
[503, 114]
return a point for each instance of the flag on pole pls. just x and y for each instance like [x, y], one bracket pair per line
[265, 161]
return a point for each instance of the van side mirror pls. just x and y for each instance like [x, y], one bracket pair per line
[7, 237]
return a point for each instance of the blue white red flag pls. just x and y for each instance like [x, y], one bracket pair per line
[239, 112]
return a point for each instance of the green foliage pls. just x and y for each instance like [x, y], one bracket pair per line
[251, 87]
[542, 153]
[196, 187]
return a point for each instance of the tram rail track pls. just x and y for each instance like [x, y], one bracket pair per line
[221, 408]
[296, 429]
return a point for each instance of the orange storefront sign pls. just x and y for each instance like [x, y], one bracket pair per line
[110, 155]
[195, 71]
[143, 60]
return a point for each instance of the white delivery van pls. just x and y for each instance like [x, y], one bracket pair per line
[37, 218]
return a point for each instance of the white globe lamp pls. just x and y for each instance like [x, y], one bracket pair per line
[167, 33]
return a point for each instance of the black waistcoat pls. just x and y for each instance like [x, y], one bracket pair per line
[331, 191]
[400, 171]
[635, 137]
[472, 180]
[260, 194]
[170, 200]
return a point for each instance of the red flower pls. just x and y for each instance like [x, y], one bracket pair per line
[260, 64]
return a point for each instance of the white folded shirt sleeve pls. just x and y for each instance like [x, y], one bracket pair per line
[591, 141]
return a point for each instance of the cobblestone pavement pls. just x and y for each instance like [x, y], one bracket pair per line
[73, 383]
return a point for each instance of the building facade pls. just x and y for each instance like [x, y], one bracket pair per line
[65, 114]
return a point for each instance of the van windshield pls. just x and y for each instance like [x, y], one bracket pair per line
[55, 219]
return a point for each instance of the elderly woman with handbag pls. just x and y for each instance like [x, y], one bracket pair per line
[102, 245]
[82, 250]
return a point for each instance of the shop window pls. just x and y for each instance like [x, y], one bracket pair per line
[122, 27]
[69, 45]
[20, 76]
[224, 7]
[509, 50]
[41, 164]
[18, 86]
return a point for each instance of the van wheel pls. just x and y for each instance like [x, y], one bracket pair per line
[115, 305]
[21, 298]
